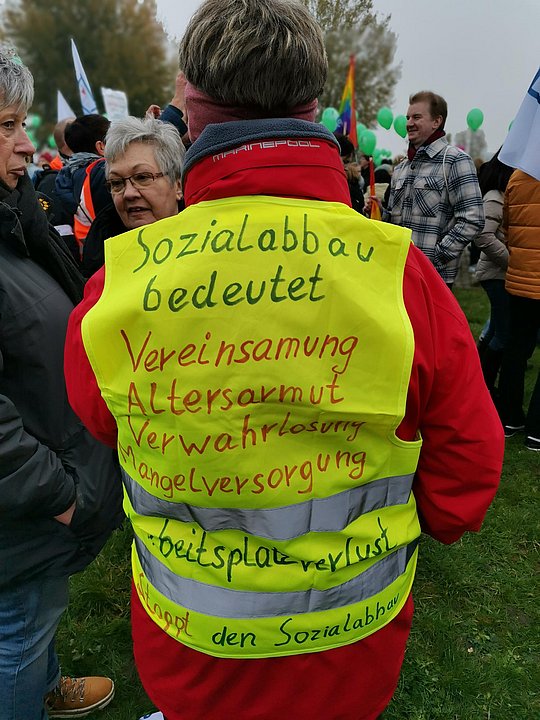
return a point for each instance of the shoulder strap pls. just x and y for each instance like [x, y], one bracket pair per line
[447, 148]
[86, 204]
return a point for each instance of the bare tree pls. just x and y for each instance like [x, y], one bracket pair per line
[474, 143]
[339, 14]
[351, 27]
[121, 44]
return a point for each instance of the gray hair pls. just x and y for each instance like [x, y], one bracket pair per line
[16, 82]
[162, 137]
[266, 54]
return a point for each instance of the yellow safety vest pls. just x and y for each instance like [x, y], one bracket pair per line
[256, 354]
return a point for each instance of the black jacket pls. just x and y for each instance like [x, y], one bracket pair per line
[47, 458]
[70, 180]
[106, 224]
[44, 182]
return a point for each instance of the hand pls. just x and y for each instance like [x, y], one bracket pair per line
[66, 517]
[368, 203]
[178, 100]
[154, 111]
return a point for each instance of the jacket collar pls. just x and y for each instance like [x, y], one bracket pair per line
[280, 157]
[434, 148]
[11, 230]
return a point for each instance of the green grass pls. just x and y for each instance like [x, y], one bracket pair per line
[473, 653]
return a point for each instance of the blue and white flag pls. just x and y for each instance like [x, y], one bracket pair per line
[88, 103]
[521, 149]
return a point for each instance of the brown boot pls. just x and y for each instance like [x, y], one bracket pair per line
[78, 697]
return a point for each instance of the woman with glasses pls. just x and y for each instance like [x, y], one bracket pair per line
[144, 163]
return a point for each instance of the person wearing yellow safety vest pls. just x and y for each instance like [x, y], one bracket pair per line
[281, 377]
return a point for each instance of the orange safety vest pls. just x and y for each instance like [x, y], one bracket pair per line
[85, 211]
[56, 163]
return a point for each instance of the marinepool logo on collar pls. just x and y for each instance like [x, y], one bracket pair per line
[266, 145]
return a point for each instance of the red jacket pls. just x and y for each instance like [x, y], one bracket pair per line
[457, 477]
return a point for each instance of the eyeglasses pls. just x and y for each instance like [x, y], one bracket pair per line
[138, 180]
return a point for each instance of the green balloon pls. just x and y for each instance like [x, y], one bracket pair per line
[51, 141]
[33, 121]
[367, 142]
[475, 118]
[385, 117]
[329, 118]
[360, 128]
[377, 157]
[400, 125]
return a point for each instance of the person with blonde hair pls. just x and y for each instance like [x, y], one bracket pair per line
[281, 377]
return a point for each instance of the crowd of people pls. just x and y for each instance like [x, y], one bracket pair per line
[285, 392]
[450, 203]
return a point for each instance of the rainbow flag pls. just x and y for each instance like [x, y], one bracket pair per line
[346, 123]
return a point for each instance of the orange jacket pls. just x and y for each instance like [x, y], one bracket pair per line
[522, 223]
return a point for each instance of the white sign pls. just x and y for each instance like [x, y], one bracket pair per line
[116, 103]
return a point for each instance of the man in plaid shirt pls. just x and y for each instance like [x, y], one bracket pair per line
[435, 191]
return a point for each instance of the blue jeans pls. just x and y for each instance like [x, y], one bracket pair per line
[499, 323]
[29, 669]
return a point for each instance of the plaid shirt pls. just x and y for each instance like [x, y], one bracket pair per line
[437, 196]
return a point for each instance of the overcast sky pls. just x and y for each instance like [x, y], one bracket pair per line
[476, 53]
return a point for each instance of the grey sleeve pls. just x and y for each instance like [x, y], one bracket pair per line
[33, 481]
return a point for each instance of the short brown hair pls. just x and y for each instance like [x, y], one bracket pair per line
[437, 104]
[266, 54]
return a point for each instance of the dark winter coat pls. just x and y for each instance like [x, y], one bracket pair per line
[70, 179]
[106, 224]
[47, 459]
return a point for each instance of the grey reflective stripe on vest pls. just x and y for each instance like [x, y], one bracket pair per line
[223, 602]
[330, 514]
